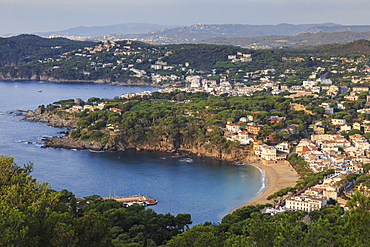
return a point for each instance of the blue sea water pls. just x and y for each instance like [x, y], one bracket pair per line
[207, 188]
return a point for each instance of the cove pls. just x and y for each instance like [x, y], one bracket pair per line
[207, 188]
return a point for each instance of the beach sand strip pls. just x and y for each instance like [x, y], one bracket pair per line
[277, 175]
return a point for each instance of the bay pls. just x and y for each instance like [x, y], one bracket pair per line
[207, 188]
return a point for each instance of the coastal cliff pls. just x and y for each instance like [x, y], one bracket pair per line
[67, 142]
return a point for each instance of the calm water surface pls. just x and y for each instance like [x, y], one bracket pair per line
[207, 189]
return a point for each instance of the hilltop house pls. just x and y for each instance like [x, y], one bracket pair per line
[233, 128]
[254, 128]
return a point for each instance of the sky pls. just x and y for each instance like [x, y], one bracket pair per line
[31, 16]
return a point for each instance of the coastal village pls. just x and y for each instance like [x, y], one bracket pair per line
[294, 123]
[324, 148]
[338, 143]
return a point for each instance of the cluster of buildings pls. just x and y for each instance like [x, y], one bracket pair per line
[245, 132]
[323, 152]
[333, 151]
[132, 60]
[78, 107]
[240, 58]
[319, 195]
[234, 132]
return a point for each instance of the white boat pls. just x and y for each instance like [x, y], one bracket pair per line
[189, 160]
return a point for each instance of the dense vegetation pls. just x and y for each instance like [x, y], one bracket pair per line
[200, 56]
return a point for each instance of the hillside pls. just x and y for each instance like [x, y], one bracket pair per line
[26, 48]
[29, 57]
[356, 47]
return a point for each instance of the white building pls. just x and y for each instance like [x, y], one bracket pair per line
[311, 199]
[233, 128]
[194, 81]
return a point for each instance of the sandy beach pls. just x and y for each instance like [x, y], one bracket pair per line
[278, 175]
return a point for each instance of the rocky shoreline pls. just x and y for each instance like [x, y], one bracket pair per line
[67, 142]
[51, 119]
[128, 82]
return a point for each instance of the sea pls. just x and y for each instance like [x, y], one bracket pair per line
[208, 189]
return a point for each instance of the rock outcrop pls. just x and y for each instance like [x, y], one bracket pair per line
[44, 77]
[67, 142]
[51, 119]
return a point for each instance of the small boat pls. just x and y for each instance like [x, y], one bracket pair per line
[188, 160]
[239, 164]
[39, 91]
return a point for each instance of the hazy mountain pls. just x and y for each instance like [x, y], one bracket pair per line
[198, 32]
[179, 34]
[258, 36]
[238, 30]
[129, 28]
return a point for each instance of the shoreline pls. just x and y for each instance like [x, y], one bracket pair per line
[101, 81]
[276, 176]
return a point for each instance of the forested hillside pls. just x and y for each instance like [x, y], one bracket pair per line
[177, 120]
[28, 57]
[29, 48]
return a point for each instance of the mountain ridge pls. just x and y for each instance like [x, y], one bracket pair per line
[222, 30]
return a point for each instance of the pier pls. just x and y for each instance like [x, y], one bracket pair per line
[138, 199]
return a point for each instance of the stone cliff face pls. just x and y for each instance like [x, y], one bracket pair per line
[67, 142]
